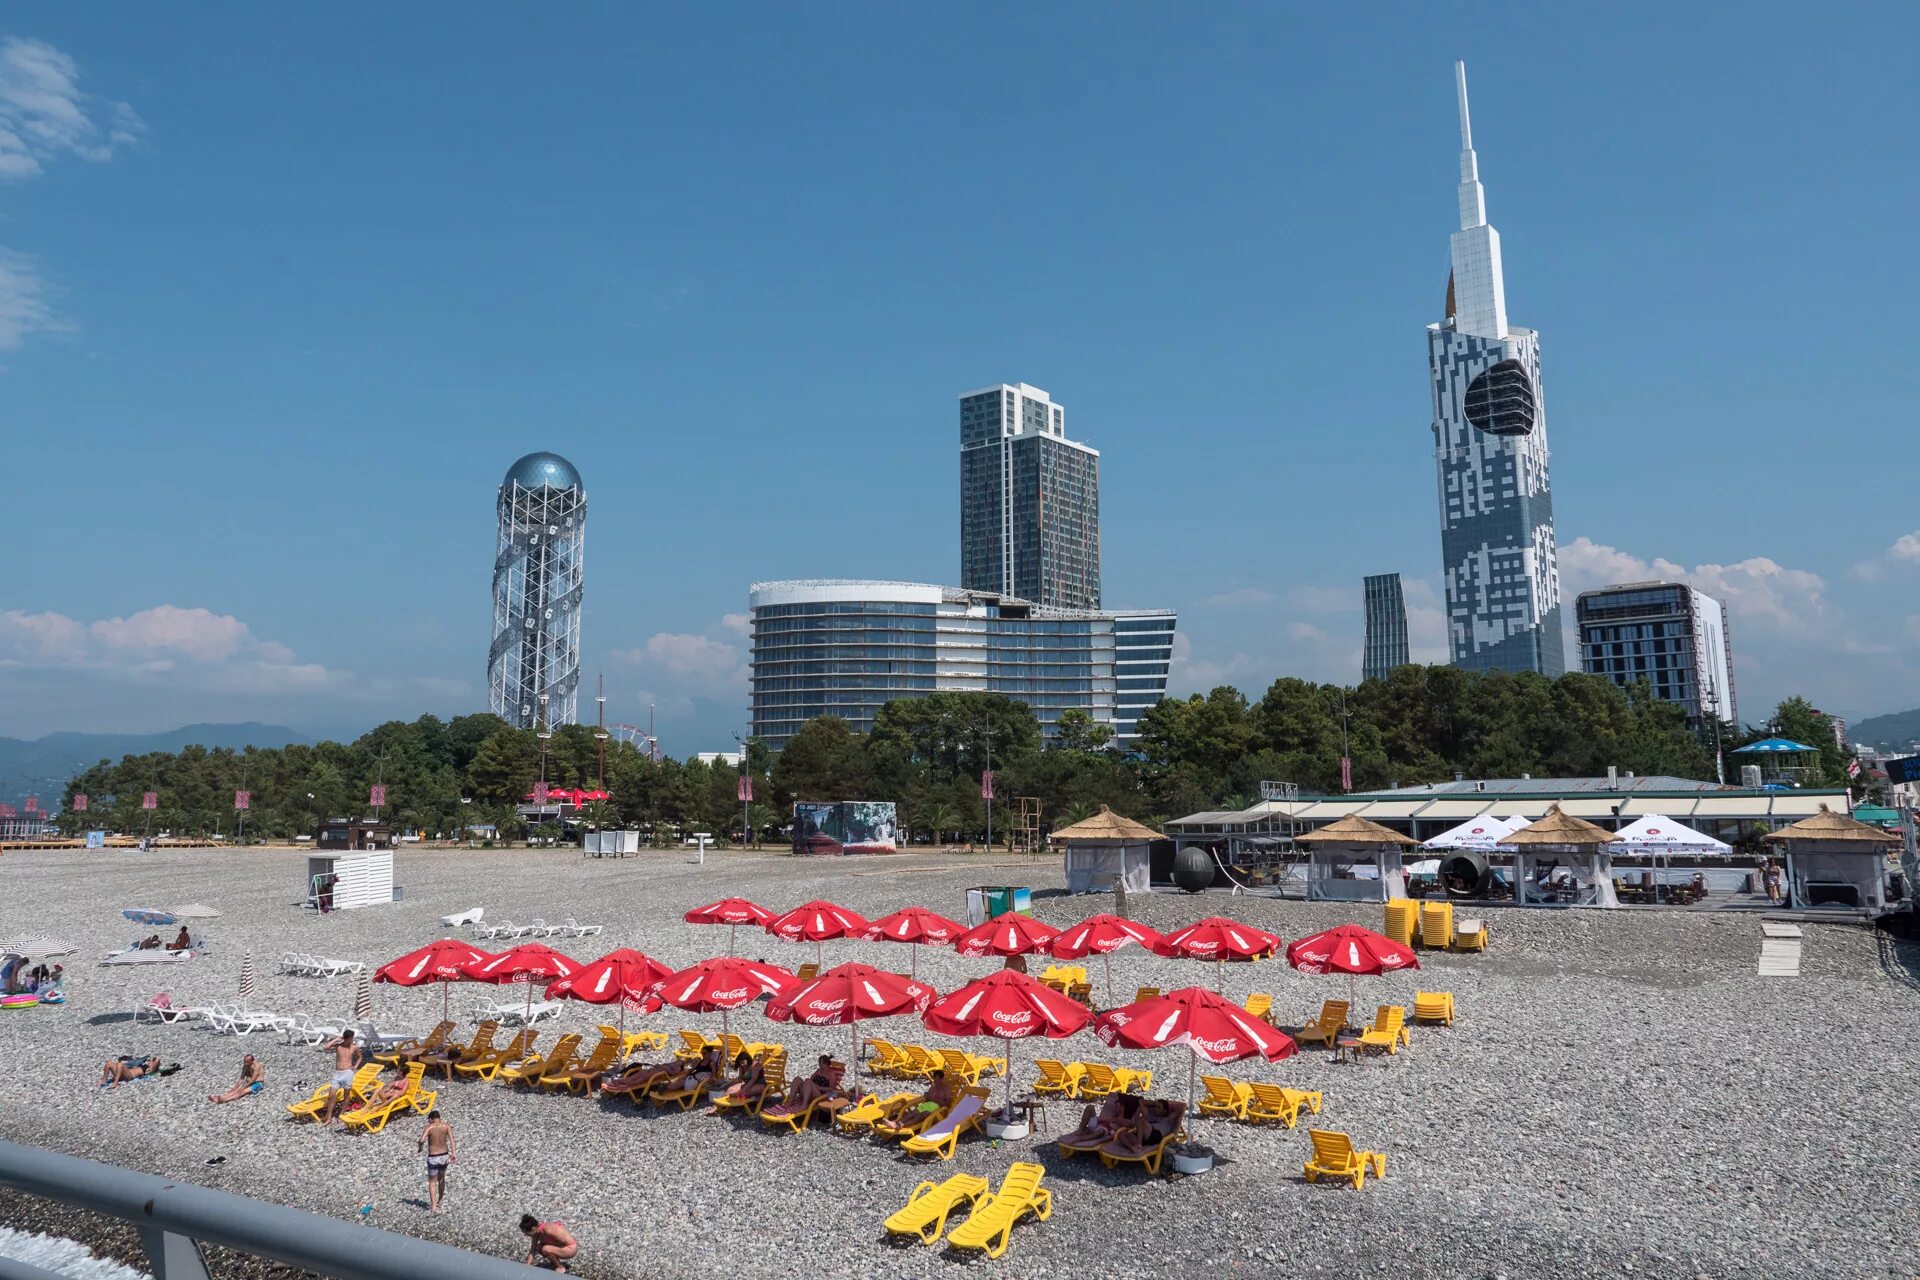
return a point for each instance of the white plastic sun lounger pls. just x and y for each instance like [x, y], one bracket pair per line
[470, 916]
[576, 929]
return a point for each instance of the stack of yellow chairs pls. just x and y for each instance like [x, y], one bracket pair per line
[1402, 915]
[1436, 925]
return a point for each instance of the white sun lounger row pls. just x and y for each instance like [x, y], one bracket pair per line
[299, 962]
[569, 927]
[222, 1019]
[517, 1013]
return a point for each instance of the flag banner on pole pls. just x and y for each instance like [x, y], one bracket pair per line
[540, 793]
[1853, 768]
[6, 811]
[744, 792]
[80, 802]
[149, 799]
[31, 804]
[242, 800]
[1346, 773]
[377, 796]
[986, 785]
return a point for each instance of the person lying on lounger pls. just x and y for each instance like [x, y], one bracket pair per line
[253, 1078]
[1099, 1126]
[118, 1071]
[938, 1097]
[642, 1078]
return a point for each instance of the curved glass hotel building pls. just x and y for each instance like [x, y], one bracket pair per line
[847, 648]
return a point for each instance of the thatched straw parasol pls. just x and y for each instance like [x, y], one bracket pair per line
[1353, 829]
[1828, 825]
[1561, 829]
[1107, 825]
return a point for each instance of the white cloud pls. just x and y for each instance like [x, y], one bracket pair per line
[1904, 551]
[24, 305]
[192, 648]
[738, 623]
[699, 664]
[1755, 590]
[44, 114]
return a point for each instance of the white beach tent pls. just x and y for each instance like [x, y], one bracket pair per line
[1657, 834]
[1483, 832]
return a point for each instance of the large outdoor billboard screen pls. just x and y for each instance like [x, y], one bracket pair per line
[843, 826]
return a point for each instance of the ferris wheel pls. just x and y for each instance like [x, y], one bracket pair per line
[633, 735]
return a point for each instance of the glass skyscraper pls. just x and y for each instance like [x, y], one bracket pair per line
[847, 648]
[1029, 500]
[539, 570]
[1666, 633]
[1490, 443]
[1386, 627]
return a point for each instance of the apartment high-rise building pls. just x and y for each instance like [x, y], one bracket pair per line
[1666, 633]
[539, 568]
[847, 648]
[1386, 627]
[1029, 500]
[1490, 443]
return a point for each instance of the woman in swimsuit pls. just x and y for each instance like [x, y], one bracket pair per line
[119, 1070]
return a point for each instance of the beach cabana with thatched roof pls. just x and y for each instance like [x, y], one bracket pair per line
[1108, 850]
[1562, 861]
[1835, 862]
[1354, 860]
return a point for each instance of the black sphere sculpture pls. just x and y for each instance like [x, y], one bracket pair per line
[1193, 868]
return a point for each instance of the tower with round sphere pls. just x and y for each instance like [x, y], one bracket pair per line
[539, 567]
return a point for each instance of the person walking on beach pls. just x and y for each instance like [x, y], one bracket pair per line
[437, 1140]
[346, 1060]
[253, 1078]
[551, 1244]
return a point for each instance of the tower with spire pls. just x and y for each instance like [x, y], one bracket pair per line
[1502, 574]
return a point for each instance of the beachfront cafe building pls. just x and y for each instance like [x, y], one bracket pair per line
[1260, 840]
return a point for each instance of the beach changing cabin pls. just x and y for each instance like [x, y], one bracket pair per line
[1108, 850]
[1562, 861]
[354, 878]
[1354, 860]
[1835, 862]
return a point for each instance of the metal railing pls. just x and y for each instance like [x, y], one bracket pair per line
[174, 1219]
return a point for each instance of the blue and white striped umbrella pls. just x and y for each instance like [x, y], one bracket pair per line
[150, 915]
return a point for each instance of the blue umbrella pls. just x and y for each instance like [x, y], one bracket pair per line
[150, 915]
[1771, 746]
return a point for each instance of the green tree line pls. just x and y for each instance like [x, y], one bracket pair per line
[1417, 725]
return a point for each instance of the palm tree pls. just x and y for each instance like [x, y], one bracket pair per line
[601, 816]
[761, 817]
[507, 822]
[940, 817]
[1079, 811]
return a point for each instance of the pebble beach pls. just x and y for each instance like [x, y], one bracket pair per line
[1621, 1093]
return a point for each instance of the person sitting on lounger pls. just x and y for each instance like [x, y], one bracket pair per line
[938, 1097]
[1099, 1126]
[181, 943]
[1154, 1121]
[392, 1091]
[823, 1083]
[253, 1078]
[749, 1082]
[118, 1071]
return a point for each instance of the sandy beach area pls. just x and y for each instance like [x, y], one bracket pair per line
[1621, 1094]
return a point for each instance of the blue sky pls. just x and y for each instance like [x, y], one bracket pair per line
[283, 292]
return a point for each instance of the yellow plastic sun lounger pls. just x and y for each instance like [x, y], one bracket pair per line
[1113, 1155]
[1334, 1157]
[1470, 935]
[579, 1074]
[364, 1081]
[373, 1117]
[1270, 1102]
[694, 1044]
[910, 1121]
[1097, 1080]
[1058, 1079]
[870, 1110]
[529, 1069]
[887, 1059]
[408, 1050]
[687, 1095]
[1433, 1006]
[990, 1226]
[1327, 1027]
[925, 1216]
[774, 1072]
[1144, 994]
[1260, 1005]
[1389, 1030]
[1225, 1097]
[919, 1062]
[942, 1138]
[487, 1065]
[450, 1054]
[794, 1118]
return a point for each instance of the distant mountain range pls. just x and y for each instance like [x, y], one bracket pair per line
[1894, 732]
[43, 765]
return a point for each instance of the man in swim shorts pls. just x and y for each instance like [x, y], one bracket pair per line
[253, 1078]
[346, 1059]
[437, 1140]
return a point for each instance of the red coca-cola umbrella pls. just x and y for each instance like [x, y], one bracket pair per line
[917, 926]
[1218, 939]
[850, 993]
[1102, 935]
[625, 977]
[1012, 934]
[1008, 1005]
[529, 963]
[817, 922]
[444, 962]
[1351, 950]
[722, 985]
[1207, 1023]
[731, 912]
